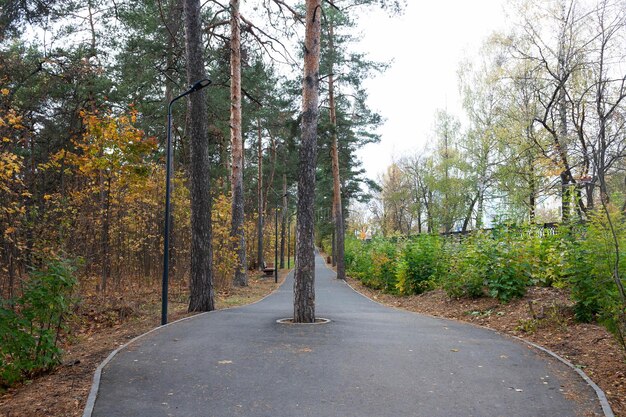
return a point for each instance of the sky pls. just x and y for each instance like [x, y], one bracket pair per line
[426, 45]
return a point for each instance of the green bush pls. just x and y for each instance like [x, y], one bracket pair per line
[357, 258]
[373, 263]
[420, 264]
[30, 325]
[582, 282]
[508, 278]
[465, 276]
[502, 263]
[383, 274]
[497, 260]
[509, 264]
[548, 256]
[591, 265]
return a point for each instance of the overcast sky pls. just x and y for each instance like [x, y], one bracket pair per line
[426, 45]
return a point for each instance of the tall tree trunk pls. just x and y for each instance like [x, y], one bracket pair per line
[532, 203]
[172, 23]
[283, 219]
[338, 241]
[261, 206]
[448, 223]
[304, 278]
[480, 210]
[333, 249]
[429, 210]
[270, 180]
[565, 198]
[470, 209]
[562, 110]
[532, 195]
[237, 229]
[419, 221]
[201, 286]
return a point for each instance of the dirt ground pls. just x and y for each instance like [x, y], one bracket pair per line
[544, 316]
[99, 328]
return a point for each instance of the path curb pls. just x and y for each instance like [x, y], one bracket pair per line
[95, 385]
[604, 403]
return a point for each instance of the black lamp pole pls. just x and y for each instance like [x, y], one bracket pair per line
[168, 173]
[276, 244]
[276, 235]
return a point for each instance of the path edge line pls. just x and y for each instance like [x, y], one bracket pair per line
[95, 385]
[604, 402]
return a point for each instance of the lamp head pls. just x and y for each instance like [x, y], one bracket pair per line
[199, 85]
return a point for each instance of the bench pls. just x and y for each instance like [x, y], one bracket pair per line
[268, 269]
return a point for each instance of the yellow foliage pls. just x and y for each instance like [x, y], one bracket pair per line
[224, 245]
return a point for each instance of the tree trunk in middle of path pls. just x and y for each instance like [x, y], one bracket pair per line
[304, 284]
[237, 226]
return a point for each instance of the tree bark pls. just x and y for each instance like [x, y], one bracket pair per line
[304, 284]
[201, 285]
[172, 25]
[237, 226]
[338, 241]
[270, 180]
[563, 74]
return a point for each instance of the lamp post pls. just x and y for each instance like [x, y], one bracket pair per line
[198, 85]
[276, 235]
[289, 240]
[276, 244]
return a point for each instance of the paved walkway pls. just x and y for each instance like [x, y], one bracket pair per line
[369, 361]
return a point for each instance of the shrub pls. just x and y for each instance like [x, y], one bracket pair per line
[373, 263]
[548, 256]
[357, 258]
[383, 274]
[419, 265]
[593, 286]
[30, 325]
[508, 269]
[497, 260]
[465, 276]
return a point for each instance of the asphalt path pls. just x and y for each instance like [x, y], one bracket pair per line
[370, 360]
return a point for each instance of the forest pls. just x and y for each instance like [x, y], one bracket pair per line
[84, 93]
[85, 90]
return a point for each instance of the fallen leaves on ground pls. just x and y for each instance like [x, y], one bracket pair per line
[103, 325]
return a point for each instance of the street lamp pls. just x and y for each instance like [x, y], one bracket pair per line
[289, 240]
[198, 85]
[276, 244]
[276, 235]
